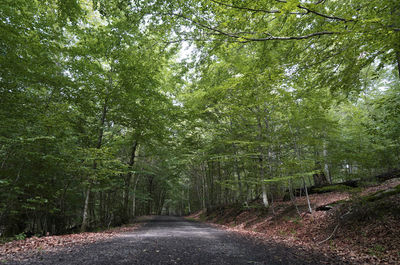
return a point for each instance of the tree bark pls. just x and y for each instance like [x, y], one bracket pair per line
[128, 180]
[188, 199]
[261, 165]
[326, 166]
[263, 186]
[203, 190]
[239, 180]
[98, 146]
[320, 179]
[292, 197]
[398, 60]
[308, 199]
[134, 198]
[85, 210]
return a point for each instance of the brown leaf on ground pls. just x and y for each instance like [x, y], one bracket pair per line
[372, 241]
[54, 243]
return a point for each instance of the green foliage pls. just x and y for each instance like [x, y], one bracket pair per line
[94, 100]
[21, 236]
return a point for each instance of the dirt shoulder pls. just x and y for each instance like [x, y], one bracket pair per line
[29, 247]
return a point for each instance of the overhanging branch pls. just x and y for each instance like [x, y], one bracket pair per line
[277, 11]
[240, 38]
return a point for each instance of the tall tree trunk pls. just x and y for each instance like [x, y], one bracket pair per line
[188, 199]
[128, 180]
[326, 166]
[203, 181]
[398, 59]
[239, 180]
[86, 210]
[264, 194]
[219, 192]
[101, 208]
[98, 146]
[396, 16]
[308, 199]
[261, 164]
[239, 183]
[134, 197]
[150, 180]
[263, 185]
[292, 197]
[211, 184]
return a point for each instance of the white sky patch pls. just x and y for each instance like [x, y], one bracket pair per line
[186, 51]
[291, 70]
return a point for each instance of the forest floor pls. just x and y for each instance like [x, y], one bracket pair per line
[174, 240]
[358, 229]
[25, 249]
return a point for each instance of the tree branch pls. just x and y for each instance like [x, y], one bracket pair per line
[255, 10]
[317, 13]
[302, 37]
[248, 39]
[323, 15]
[334, 230]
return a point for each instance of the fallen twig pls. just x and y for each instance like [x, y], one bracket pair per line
[334, 230]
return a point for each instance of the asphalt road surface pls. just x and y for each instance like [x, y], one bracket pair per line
[174, 240]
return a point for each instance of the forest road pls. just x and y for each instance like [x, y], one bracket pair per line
[174, 240]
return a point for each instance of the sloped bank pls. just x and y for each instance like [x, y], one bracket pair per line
[362, 227]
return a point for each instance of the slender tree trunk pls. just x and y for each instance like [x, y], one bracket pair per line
[298, 154]
[239, 181]
[308, 199]
[197, 184]
[272, 203]
[398, 58]
[188, 199]
[222, 188]
[98, 146]
[292, 197]
[326, 166]
[134, 197]
[101, 207]
[264, 194]
[261, 165]
[211, 184]
[396, 21]
[203, 190]
[263, 185]
[86, 209]
[220, 199]
[128, 180]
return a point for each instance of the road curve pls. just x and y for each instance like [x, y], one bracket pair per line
[174, 240]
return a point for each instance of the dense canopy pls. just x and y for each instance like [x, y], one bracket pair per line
[114, 109]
